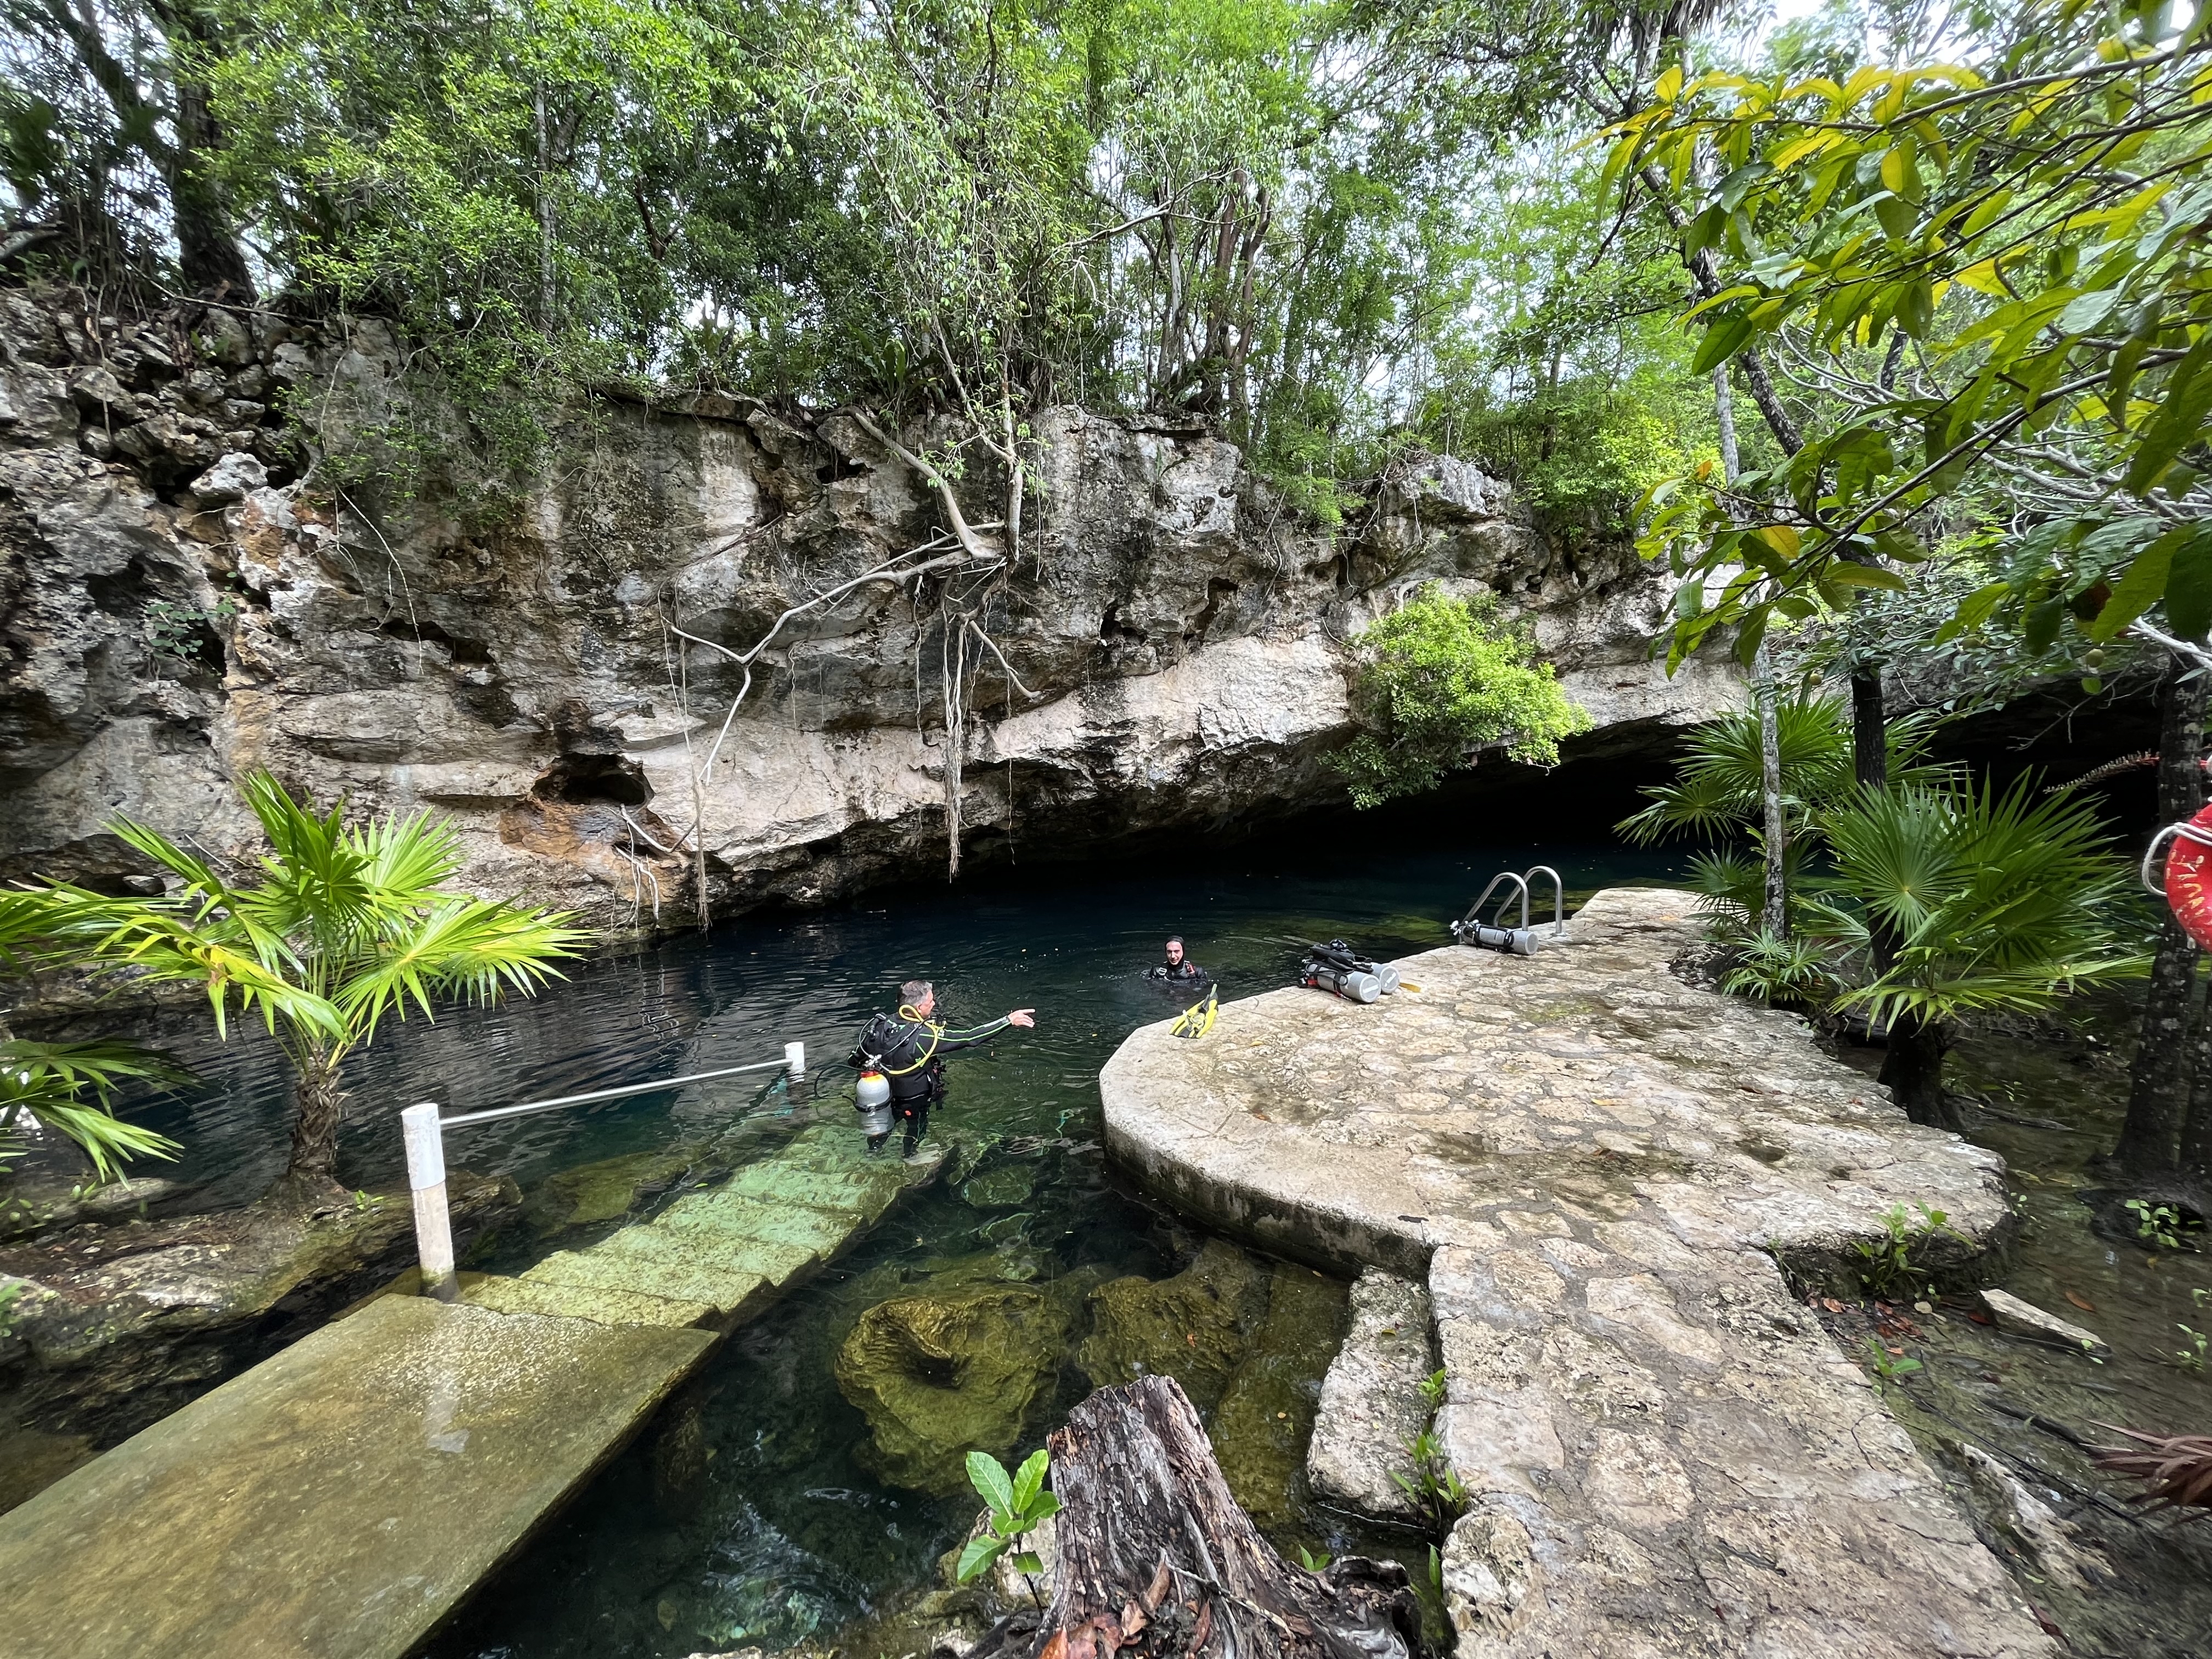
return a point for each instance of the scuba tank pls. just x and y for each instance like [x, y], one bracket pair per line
[873, 1099]
[1334, 967]
[1351, 983]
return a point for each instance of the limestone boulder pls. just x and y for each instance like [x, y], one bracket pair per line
[1371, 1401]
[939, 1376]
[1193, 1327]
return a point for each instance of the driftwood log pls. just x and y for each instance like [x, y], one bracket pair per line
[1157, 1561]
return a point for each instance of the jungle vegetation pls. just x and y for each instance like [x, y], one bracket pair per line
[1948, 261]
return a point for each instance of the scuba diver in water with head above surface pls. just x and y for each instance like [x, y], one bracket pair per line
[1179, 972]
[901, 1063]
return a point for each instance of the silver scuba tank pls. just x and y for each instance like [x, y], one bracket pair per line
[873, 1099]
[1353, 986]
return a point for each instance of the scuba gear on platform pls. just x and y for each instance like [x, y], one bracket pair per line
[1334, 967]
[1522, 941]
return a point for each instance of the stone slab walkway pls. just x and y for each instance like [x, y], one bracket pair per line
[1589, 1161]
[338, 1500]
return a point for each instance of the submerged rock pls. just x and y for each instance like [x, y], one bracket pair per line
[2023, 1318]
[939, 1376]
[1260, 1430]
[1001, 1188]
[1371, 1403]
[602, 1191]
[1193, 1327]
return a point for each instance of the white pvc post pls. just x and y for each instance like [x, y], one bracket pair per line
[795, 1060]
[426, 1179]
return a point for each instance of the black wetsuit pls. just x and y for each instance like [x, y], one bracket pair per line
[1180, 976]
[911, 1055]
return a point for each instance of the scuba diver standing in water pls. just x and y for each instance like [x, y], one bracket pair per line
[906, 1053]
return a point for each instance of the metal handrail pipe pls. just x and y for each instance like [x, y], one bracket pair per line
[527, 1106]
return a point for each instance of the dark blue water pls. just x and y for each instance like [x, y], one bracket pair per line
[756, 1526]
[1070, 943]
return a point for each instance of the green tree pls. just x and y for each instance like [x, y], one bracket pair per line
[345, 925]
[1439, 680]
[1991, 275]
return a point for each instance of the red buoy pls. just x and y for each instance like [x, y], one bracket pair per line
[2189, 876]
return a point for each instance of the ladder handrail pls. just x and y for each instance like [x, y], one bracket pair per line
[1558, 899]
[1474, 911]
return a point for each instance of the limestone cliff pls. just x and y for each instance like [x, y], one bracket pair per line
[190, 592]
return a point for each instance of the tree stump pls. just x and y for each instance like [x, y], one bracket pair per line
[1157, 1561]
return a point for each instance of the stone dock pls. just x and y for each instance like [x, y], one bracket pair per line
[339, 1499]
[1594, 1166]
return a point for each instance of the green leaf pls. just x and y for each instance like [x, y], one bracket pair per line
[2140, 587]
[1846, 572]
[2041, 626]
[1044, 1507]
[2086, 311]
[1028, 1480]
[977, 1557]
[2189, 585]
[2179, 421]
[990, 1478]
[1724, 336]
[1028, 1564]
[1747, 641]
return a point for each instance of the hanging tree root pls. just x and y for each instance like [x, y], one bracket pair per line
[1157, 1561]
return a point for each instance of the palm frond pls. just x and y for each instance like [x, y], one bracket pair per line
[468, 947]
[1989, 900]
[50, 1081]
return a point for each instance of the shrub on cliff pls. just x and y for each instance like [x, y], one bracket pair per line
[1441, 679]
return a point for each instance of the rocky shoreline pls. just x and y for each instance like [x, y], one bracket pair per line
[1594, 1168]
[184, 596]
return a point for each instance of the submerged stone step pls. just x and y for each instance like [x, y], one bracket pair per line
[733, 1216]
[731, 1294]
[595, 1302]
[337, 1499]
[686, 1250]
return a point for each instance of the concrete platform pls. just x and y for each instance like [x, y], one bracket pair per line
[337, 1500]
[1590, 1161]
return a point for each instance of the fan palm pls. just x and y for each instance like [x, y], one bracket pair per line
[1993, 901]
[346, 925]
[1716, 789]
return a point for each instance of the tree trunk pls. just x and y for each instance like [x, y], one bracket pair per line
[314, 1161]
[1869, 729]
[2158, 1092]
[208, 259]
[1912, 1071]
[1774, 911]
[1157, 1561]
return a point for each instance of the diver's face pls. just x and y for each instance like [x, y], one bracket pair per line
[927, 1006]
[1175, 954]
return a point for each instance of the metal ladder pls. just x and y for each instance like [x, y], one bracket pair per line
[1522, 941]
